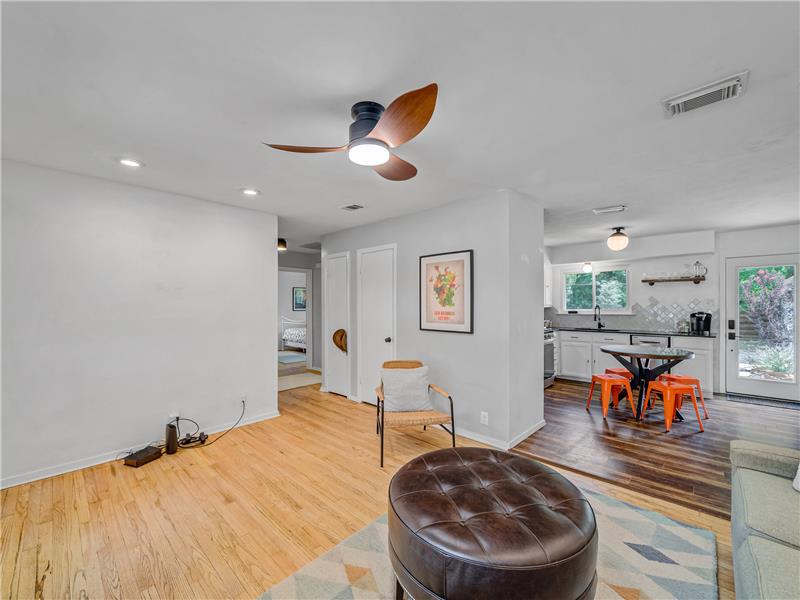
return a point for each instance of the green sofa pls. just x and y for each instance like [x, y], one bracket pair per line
[765, 521]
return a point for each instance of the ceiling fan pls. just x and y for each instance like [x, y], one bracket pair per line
[376, 130]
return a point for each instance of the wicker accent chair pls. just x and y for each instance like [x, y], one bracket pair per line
[407, 419]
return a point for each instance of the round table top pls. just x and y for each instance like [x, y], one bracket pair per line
[647, 351]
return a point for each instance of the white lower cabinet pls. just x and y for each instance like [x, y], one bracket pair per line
[575, 360]
[580, 356]
[702, 365]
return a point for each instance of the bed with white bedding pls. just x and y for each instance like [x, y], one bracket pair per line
[293, 333]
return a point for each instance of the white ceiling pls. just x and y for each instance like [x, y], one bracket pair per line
[559, 101]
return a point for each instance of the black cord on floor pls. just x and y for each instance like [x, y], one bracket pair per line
[196, 445]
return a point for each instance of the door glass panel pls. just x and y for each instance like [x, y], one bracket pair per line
[767, 323]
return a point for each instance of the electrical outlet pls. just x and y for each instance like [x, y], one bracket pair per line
[484, 418]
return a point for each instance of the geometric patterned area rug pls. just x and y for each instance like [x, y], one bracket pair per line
[643, 555]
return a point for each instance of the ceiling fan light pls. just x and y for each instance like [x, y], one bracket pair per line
[282, 245]
[368, 152]
[618, 240]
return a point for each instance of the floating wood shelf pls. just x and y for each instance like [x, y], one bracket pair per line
[655, 280]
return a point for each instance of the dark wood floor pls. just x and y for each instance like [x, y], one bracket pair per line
[684, 466]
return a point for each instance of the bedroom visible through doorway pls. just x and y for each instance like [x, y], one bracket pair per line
[295, 332]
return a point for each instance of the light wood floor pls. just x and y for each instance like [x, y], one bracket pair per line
[230, 520]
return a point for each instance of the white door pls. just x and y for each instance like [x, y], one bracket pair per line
[336, 279]
[376, 316]
[761, 336]
[575, 360]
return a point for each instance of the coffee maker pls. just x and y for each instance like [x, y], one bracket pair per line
[700, 323]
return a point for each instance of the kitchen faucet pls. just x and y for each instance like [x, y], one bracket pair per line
[597, 316]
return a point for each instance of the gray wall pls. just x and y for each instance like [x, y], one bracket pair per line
[121, 305]
[474, 368]
[301, 260]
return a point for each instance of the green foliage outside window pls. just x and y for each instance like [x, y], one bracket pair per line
[578, 288]
[609, 289]
[612, 289]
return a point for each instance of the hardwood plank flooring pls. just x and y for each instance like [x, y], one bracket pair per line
[684, 466]
[230, 520]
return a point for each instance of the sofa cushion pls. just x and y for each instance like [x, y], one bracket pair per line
[765, 569]
[765, 505]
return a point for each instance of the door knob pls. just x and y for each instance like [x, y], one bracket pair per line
[387, 340]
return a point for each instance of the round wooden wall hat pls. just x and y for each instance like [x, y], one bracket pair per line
[340, 340]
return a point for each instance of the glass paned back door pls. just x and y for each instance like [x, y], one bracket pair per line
[761, 333]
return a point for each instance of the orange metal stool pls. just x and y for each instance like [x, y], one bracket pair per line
[610, 385]
[686, 380]
[671, 394]
[623, 372]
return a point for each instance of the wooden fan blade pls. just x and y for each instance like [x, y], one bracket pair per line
[396, 169]
[406, 116]
[306, 149]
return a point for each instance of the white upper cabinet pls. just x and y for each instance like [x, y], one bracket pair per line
[548, 285]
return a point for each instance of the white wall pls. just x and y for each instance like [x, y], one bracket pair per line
[121, 305]
[286, 281]
[475, 368]
[525, 298]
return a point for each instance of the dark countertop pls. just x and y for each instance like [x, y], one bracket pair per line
[663, 332]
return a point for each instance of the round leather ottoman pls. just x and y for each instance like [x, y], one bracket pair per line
[470, 523]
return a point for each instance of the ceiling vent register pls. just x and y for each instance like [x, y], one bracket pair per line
[352, 207]
[718, 91]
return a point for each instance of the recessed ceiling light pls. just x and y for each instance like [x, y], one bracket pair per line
[250, 192]
[131, 162]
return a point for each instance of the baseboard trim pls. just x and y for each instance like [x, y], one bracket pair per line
[91, 461]
[529, 431]
[483, 439]
[497, 443]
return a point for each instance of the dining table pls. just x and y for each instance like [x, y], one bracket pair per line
[637, 358]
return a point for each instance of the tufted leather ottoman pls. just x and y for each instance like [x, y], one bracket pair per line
[470, 523]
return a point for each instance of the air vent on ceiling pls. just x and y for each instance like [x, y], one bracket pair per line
[724, 89]
[352, 207]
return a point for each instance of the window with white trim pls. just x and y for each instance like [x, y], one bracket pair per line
[609, 287]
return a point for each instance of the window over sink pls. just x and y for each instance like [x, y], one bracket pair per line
[608, 287]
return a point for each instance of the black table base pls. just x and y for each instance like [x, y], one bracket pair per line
[642, 376]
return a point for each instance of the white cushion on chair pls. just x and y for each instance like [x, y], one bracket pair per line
[406, 390]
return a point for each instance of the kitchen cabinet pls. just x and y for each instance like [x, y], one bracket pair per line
[585, 356]
[548, 286]
[580, 355]
[702, 365]
[575, 360]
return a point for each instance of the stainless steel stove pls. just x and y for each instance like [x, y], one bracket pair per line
[549, 357]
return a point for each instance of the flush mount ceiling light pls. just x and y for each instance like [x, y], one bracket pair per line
[250, 191]
[609, 209]
[368, 152]
[618, 240]
[587, 267]
[130, 162]
[282, 245]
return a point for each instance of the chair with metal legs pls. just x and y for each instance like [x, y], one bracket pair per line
[389, 419]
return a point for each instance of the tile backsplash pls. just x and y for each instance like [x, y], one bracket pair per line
[655, 315]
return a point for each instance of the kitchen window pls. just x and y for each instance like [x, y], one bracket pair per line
[610, 288]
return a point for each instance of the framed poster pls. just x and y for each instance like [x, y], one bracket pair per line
[445, 292]
[298, 298]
